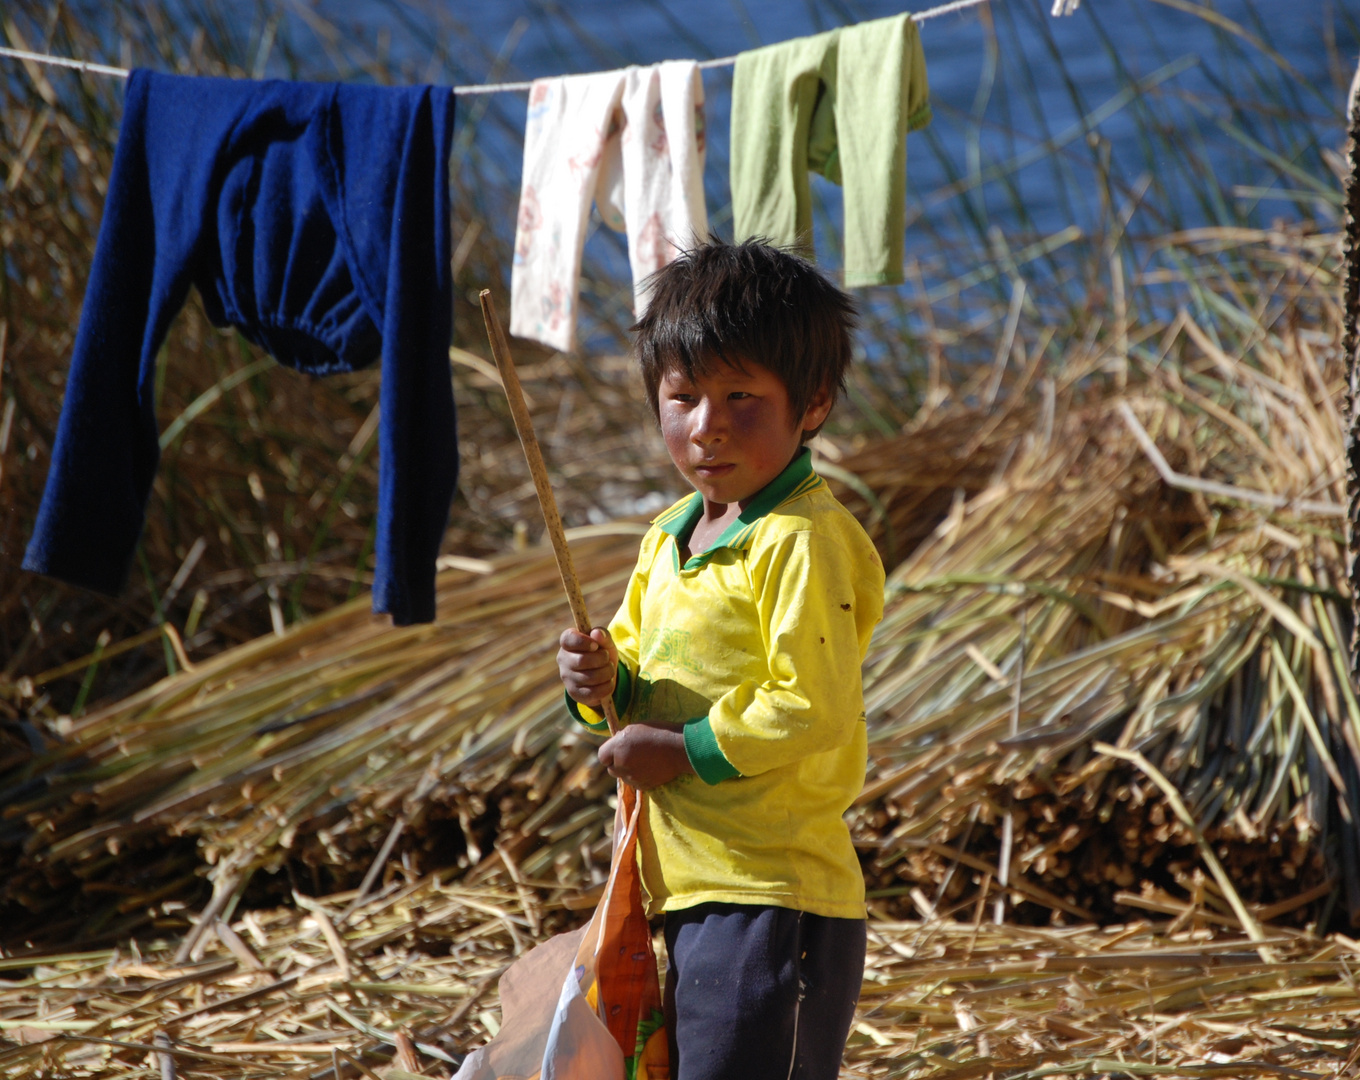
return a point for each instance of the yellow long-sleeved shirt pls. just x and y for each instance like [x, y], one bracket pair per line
[756, 645]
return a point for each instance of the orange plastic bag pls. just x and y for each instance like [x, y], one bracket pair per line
[586, 1005]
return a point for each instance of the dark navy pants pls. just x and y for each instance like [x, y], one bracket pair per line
[760, 993]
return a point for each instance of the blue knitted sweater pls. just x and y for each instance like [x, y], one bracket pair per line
[313, 217]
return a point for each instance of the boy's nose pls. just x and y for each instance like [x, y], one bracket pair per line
[710, 424]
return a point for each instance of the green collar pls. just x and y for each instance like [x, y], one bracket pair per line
[679, 521]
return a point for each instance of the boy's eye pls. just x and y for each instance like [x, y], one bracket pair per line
[738, 395]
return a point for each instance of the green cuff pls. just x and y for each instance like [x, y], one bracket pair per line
[593, 720]
[920, 118]
[704, 753]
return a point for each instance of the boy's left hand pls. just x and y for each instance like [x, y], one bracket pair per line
[647, 755]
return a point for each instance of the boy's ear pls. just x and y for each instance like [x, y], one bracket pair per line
[819, 408]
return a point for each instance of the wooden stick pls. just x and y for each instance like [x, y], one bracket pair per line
[500, 349]
[1350, 394]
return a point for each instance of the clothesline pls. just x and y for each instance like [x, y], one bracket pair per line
[1060, 7]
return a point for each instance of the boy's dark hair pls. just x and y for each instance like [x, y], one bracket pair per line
[732, 303]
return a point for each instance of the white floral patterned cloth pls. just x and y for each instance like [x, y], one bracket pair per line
[630, 141]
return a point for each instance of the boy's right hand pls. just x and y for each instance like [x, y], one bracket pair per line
[587, 665]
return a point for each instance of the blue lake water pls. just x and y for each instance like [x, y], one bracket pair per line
[1041, 123]
[1004, 77]
[1031, 111]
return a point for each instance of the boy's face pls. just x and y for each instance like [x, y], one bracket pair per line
[733, 431]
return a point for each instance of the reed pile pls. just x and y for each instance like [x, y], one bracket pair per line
[440, 721]
[404, 984]
[1200, 621]
[1192, 621]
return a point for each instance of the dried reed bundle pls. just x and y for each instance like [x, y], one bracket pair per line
[319, 739]
[1197, 629]
[1201, 624]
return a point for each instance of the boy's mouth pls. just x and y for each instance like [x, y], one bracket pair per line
[712, 469]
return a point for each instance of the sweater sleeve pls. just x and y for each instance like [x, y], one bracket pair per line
[107, 447]
[390, 202]
[818, 602]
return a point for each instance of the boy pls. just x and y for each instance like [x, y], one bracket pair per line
[735, 665]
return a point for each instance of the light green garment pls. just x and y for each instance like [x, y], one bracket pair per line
[841, 104]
